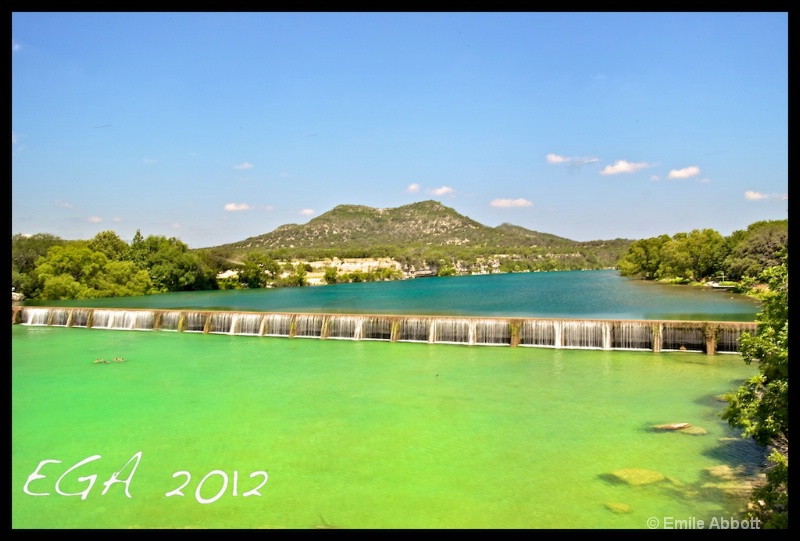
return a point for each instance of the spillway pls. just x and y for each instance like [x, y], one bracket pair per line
[649, 335]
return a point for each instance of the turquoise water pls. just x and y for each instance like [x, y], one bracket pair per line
[362, 434]
[574, 294]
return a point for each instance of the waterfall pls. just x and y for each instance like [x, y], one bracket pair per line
[195, 322]
[249, 324]
[308, 325]
[553, 333]
[414, 329]
[677, 336]
[100, 319]
[539, 332]
[492, 332]
[277, 324]
[222, 323]
[60, 317]
[728, 339]
[585, 335]
[376, 328]
[142, 320]
[451, 331]
[79, 317]
[345, 327]
[35, 316]
[169, 321]
[126, 320]
[632, 335]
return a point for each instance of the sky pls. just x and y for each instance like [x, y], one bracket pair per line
[215, 127]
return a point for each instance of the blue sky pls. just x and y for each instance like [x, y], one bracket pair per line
[215, 127]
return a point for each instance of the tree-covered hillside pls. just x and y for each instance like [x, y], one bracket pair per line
[426, 234]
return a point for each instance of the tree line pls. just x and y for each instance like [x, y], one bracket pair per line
[45, 266]
[760, 406]
[706, 255]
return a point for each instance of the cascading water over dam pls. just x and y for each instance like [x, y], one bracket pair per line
[653, 335]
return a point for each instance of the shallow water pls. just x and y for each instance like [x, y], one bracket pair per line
[361, 434]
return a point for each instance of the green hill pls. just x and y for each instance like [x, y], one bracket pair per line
[425, 232]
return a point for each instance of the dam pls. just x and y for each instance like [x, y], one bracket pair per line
[708, 337]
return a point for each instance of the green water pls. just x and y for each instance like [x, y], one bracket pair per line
[361, 434]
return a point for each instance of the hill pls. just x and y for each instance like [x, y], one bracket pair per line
[425, 232]
[427, 222]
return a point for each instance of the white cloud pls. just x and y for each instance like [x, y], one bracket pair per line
[63, 204]
[444, 190]
[623, 166]
[116, 219]
[655, 178]
[782, 197]
[94, 219]
[555, 158]
[504, 203]
[243, 165]
[686, 172]
[13, 138]
[307, 212]
[15, 46]
[413, 188]
[571, 162]
[235, 207]
[750, 195]
[149, 161]
[176, 225]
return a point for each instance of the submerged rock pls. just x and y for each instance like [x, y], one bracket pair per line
[618, 508]
[672, 426]
[684, 428]
[693, 430]
[735, 482]
[638, 476]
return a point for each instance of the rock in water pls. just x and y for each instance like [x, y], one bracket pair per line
[638, 476]
[672, 426]
[618, 508]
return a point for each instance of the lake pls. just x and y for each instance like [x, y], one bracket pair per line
[221, 431]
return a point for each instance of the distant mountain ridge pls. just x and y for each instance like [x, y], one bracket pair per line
[427, 223]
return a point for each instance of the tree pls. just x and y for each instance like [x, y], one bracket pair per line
[643, 258]
[25, 251]
[761, 405]
[693, 256]
[754, 250]
[123, 279]
[170, 264]
[75, 260]
[330, 275]
[258, 270]
[110, 245]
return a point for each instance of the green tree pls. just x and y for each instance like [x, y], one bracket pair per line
[258, 270]
[170, 264]
[63, 286]
[754, 250]
[123, 279]
[761, 405]
[330, 275]
[75, 260]
[139, 250]
[693, 256]
[643, 258]
[25, 251]
[110, 245]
